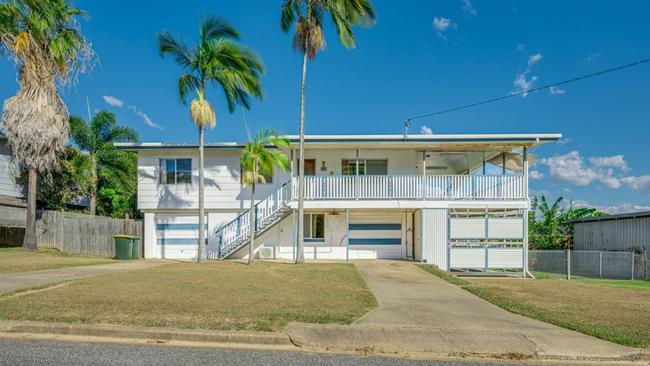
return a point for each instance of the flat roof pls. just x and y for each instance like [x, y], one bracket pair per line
[623, 216]
[421, 141]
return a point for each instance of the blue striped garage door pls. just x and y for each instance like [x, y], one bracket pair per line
[375, 235]
[177, 237]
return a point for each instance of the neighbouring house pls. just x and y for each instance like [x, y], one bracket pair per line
[455, 201]
[12, 198]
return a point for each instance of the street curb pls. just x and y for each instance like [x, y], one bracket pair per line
[156, 334]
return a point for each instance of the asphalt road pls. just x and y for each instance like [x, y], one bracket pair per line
[40, 352]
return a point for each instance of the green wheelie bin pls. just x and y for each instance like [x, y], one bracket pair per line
[123, 246]
[135, 248]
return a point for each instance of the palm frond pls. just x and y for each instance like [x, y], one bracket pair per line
[216, 28]
[176, 48]
[187, 84]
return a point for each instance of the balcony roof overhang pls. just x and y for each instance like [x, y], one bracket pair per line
[421, 142]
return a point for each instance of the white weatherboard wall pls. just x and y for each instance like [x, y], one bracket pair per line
[433, 233]
[373, 235]
[223, 188]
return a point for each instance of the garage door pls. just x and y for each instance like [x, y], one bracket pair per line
[177, 237]
[375, 236]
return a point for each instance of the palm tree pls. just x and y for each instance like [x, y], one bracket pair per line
[44, 40]
[93, 137]
[259, 158]
[217, 59]
[308, 16]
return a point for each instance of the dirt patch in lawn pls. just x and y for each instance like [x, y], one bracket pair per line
[216, 295]
[16, 260]
[616, 311]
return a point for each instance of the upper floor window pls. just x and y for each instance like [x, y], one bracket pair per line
[366, 167]
[175, 171]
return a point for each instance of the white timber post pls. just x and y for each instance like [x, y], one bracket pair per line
[347, 234]
[568, 264]
[424, 174]
[525, 218]
[356, 173]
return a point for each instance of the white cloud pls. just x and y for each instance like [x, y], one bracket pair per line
[640, 183]
[112, 101]
[115, 102]
[536, 174]
[441, 25]
[145, 118]
[623, 207]
[523, 83]
[571, 168]
[554, 90]
[616, 161]
[533, 59]
[426, 130]
[468, 7]
[520, 47]
[564, 141]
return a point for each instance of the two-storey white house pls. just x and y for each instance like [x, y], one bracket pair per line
[456, 201]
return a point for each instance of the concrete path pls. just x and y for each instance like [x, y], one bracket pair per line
[16, 281]
[418, 312]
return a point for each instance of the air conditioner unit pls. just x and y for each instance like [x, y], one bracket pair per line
[267, 252]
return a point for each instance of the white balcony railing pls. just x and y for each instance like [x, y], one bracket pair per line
[411, 187]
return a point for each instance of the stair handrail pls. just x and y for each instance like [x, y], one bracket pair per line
[275, 200]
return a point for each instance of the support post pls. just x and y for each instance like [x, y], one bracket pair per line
[483, 162]
[525, 171]
[356, 174]
[503, 162]
[294, 233]
[347, 234]
[424, 175]
[485, 265]
[568, 264]
[632, 253]
[600, 265]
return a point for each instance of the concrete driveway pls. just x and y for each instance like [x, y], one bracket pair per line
[418, 312]
[21, 280]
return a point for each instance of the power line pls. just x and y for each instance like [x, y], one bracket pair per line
[548, 86]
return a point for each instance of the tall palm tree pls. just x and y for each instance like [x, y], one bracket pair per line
[259, 158]
[308, 16]
[43, 38]
[217, 58]
[100, 133]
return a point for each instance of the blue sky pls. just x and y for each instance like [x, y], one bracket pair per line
[421, 56]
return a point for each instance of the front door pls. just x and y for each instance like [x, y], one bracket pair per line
[310, 167]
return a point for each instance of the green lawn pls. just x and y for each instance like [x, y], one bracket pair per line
[17, 260]
[215, 295]
[616, 311]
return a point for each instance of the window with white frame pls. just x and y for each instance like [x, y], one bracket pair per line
[366, 167]
[175, 171]
[314, 227]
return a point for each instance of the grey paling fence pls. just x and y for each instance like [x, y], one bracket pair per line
[592, 264]
[82, 234]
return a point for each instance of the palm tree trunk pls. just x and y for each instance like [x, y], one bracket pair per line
[200, 255]
[29, 241]
[253, 218]
[300, 250]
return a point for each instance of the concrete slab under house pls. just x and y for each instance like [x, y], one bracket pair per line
[455, 201]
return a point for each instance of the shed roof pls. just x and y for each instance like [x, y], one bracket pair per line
[623, 216]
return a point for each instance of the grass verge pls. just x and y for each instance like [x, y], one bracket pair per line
[213, 296]
[616, 311]
[16, 260]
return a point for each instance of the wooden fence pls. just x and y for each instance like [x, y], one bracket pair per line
[82, 234]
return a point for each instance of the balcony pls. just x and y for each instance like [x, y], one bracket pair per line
[414, 187]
